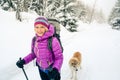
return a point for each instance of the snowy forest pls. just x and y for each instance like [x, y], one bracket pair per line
[68, 12]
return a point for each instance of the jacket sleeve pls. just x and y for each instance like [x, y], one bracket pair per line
[31, 55]
[57, 51]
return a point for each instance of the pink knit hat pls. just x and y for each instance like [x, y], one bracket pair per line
[41, 20]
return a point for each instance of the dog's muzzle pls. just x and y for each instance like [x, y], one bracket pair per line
[76, 69]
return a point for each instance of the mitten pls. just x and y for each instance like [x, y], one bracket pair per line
[20, 63]
[53, 74]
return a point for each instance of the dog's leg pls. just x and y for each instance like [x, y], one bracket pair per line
[75, 75]
[72, 74]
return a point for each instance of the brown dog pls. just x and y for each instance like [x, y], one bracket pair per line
[75, 64]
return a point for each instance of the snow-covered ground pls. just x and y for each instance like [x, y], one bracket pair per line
[98, 43]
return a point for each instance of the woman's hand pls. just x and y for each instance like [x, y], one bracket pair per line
[20, 63]
[54, 74]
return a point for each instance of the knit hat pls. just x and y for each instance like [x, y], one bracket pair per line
[41, 20]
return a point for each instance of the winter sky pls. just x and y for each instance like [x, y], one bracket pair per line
[105, 5]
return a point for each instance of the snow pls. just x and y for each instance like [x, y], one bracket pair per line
[98, 43]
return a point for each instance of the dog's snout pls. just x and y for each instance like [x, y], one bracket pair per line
[76, 69]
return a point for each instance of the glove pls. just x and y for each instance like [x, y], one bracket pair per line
[20, 63]
[54, 74]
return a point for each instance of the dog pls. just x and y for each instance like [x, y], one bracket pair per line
[75, 64]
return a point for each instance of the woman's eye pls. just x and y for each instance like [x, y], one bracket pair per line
[42, 26]
[36, 27]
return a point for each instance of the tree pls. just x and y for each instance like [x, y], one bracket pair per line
[7, 5]
[37, 6]
[67, 17]
[25, 5]
[115, 13]
[80, 11]
[18, 16]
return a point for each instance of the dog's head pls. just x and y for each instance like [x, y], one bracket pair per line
[74, 63]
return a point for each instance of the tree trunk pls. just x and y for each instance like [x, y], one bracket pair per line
[18, 16]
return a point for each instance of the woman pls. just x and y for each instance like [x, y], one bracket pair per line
[49, 66]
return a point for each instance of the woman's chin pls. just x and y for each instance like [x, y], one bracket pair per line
[39, 34]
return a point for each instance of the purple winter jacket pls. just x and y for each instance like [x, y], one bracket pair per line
[42, 54]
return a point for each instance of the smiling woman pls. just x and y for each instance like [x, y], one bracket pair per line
[49, 66]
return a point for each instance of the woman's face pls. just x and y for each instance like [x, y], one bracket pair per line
[40, 29]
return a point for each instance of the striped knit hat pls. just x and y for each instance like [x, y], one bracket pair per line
[41, 20]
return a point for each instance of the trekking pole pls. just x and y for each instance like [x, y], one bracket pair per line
[24, 72]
